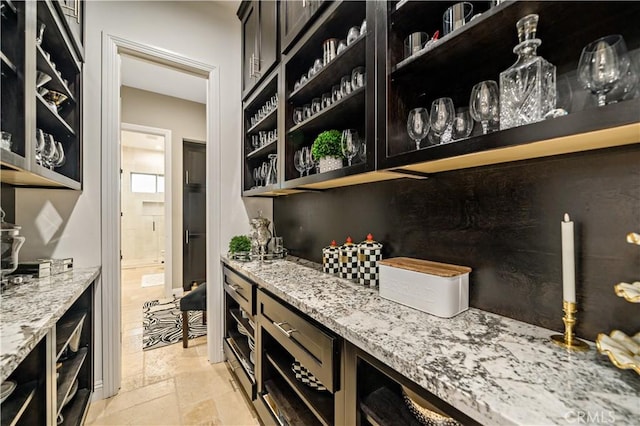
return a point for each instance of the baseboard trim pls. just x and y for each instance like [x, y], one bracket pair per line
[98, 391]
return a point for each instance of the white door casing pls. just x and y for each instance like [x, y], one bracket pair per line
[112, 47]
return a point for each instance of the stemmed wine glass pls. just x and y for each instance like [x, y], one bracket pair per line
[484, 103]
[462, 124]
[441, 118]
[298, 162]
[40, 142]
[308, 159]
[602, 64]
[264, 169]
[256, 177]
[350, 144]
[418, 125]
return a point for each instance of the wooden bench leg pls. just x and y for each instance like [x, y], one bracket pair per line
[204, 317]
[185, 329]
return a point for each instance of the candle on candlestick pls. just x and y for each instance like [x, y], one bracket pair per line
[568, 261]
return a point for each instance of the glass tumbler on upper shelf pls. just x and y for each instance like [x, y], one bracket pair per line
[528, 87]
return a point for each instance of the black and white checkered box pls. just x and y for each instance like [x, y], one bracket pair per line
[349, 261]
[369, 253]
[331, 260]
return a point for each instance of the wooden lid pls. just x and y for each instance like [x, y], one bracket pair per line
[426, 266]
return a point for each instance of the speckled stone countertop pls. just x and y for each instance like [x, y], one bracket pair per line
[28, 311]
[495, 369]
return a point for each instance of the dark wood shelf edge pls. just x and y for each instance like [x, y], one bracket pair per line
[235, 349]
[329, 109]
[66, 329]
[8, 62]
[237, 315]
[68, 375]
[78, 408]
[265, 119]
[353, 46]
[17, 403]
[267, 148]
[306, 395]
[55, 114]
[286, 404]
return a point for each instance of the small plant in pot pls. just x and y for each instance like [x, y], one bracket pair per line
[327, 150]
[239, 247]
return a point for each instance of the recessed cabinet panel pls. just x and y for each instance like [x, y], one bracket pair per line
[249, 46]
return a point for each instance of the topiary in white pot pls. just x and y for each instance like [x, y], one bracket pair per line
[326, 149]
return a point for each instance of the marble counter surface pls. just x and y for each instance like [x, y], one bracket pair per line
[28, 311]
[495, 369]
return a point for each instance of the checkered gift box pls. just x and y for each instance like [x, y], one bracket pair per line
[331, 259]
[349, 260]
[369, 253]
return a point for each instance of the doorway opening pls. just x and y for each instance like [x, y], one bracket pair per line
[114, 49]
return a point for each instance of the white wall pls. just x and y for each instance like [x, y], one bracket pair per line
[204, 31]
[186, 120]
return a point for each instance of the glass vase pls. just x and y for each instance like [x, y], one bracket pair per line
[528, 87]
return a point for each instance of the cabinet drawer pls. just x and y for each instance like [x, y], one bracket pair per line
[234, 363]
[241, 290]
[308, 343]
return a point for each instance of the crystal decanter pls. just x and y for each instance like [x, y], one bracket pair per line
[528, 87]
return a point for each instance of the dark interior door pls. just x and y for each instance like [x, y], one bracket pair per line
[194, 253]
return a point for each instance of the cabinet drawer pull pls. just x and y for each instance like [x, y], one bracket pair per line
[233, 287]
[279, 325]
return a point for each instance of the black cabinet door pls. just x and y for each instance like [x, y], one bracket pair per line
[295, 16]
[268, 36]
[249, 47]
[194, 254]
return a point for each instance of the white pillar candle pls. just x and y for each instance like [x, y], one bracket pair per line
[568, 261]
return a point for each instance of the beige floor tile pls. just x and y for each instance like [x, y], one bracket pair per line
[160, 411]
[124, 400]
[169, 385]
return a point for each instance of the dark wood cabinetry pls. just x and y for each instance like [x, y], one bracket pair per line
[29, 114]
[73, 12]
[259, 41]
[479, 50]
[295, 16]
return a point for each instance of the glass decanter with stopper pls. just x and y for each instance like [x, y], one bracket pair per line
[528, 87]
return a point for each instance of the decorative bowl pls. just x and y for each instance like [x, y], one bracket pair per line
[425, 412]
[630, 292]
[623, 351]
[56, 97]
[303, 375]
[42, 79]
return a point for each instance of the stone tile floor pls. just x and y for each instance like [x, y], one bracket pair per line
[168, 385]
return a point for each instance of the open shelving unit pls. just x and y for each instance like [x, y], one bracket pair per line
[57, 56]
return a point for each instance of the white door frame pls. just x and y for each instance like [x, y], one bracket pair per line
[112, 47]
[168, 219]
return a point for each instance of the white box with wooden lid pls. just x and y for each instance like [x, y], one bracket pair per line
[435, 288]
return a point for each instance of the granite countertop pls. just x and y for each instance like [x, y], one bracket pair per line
[28, 311]
[494, 369]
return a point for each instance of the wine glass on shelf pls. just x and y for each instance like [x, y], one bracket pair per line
[350, 144]
[308, 159]
[264, 169]
[256, 177]
[298, 162]
[602, 64]
[462, 124]
[61, 157]
[418, 125]
[40, 142]
[484, 103]
[441, 119]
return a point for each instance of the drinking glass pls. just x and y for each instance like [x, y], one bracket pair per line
[456, 16]
[39, 145]
[316, 105]
[50, 153]
[441, 118]
[307, 112]
[303, 80]
[61, 157]
[308, 159]
[350, 144]
[317, 65]
[414, 43]
[341, 47]
[418, 125]
[484, 103]
[602, 64]
[298, 115]
[255, 141]
[298, 162]
[363, 27]
[352, 35]
[345, 85]
[357, 78]
[326, 100]
[256, 177]
[462, 124]
[362, 152]
[264, 169]
[40, 34]
[6, 141]
[336, 93]
[329, 49]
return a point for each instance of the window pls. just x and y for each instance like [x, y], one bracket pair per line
[147, 183]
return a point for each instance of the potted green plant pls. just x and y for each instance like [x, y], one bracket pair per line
[239, 247]
[327, 150]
